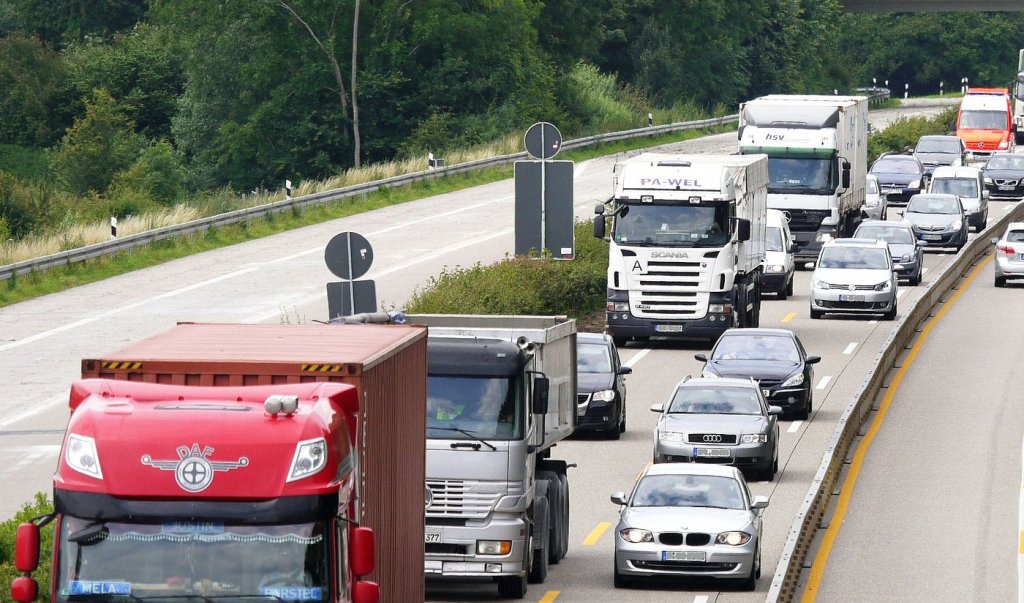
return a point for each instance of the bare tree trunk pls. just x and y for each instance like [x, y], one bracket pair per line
[355, 103]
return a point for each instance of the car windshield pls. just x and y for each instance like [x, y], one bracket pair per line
[862, 258]
[473, 407]
[756, 347]
[716, 400]
[1015, 236]
[895, 166]
[888, 234]
[593, 358]
[933, 145]
[872, 187]
[190, 560]
[961, 187]
[1005, 162]
[933, 205]
[688, 491]
[983, 120]
[773, 239]
[801, 174]
[673, 225]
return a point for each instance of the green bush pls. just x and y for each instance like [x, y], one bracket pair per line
[902, 134]
[523, 286]
[8, 573]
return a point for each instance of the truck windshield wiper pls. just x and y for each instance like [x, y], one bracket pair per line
[470, 434]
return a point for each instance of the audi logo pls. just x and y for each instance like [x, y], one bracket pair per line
[712, 437]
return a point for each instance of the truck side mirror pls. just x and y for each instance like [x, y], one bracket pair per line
[846, 174]
[540, 395]
[362, 551]
[24, 589]
[365, 592]
[26, 548]
[742, 229]
[599, 227]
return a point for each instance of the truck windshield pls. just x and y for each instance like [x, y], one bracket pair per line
[1018, 88]
[983, 120]
[801, 175]
[473, 407]
[183, 561]
[660, 225]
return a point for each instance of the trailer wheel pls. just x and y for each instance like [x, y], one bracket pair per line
[541, 533]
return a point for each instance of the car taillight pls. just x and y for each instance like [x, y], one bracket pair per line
[1007, 249]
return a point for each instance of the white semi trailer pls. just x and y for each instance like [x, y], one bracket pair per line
[817, 161]
[686, 245]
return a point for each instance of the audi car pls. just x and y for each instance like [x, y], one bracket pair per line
[719, 421]
[775, 358]
[1004, 176]
[600, 386]
[689, 520]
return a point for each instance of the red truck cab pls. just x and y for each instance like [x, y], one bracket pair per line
[985, 122]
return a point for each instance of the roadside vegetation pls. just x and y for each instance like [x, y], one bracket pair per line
[902, 135]
[40, 506]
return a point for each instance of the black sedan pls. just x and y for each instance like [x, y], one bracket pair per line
[899, 177]
[937, 219]
[774, 358]
[1004, 176]
[600, 386]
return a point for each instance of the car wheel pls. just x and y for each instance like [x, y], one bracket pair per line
[622, 425]
[891, 314]
[1000, 281]
[783, 292]
[620, 580]
[750, 582]
[815, 314]
[619, 341]
[789, 287]
[512, 587]
[915, 279]
[804, 412]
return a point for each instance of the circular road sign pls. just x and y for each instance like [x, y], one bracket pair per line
[543, 140]
[348, 255]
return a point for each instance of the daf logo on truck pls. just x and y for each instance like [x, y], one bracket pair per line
[192, 471]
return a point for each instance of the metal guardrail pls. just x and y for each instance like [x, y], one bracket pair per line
[65, 258]
[811, 517]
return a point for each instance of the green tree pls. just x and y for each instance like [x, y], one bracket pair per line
[157, 172]
[67, 21]
[31, 88]
[98, 145]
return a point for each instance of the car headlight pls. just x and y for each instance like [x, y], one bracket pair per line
[81, 456]
[955, 225]
[710, 374]
[988, 180]
[310, 458]
[823, 237]
[636, 535]
[907, 258]
[797, 379]
[753, 438]
[605, 395]
[670, 436]
[775, 269]
[733, 538]
[914, 184]
[884, 286]
[819, 284]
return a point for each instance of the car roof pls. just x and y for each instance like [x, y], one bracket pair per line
[723, 381]
[938, 137]
[741, 331]
[896, 157]
[856, 243]
[945, 196]
[691, 469]
[592, 337]
[956, 171]
[1015, 226]
[887, 223]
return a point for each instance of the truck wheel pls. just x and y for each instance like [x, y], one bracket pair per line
[512, 587]
[555, 511]
[564, 479]
[542, 533]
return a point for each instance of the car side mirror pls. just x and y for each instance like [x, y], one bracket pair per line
[899, 213]
[994, 240]
[812, 360]
[624, 370]
[760, 502]
[701, 357]
[775, 410]
[657, 407]
[619, 498]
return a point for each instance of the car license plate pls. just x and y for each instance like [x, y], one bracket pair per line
[932, 237]
[432, 537]
[712, 452]
[851, 298]
[1006, 187]
[669, 328]
[683, 556]
[1020, 256]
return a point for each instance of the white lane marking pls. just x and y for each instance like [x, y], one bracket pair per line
[850, 348]
[795, 427]
[632, 361]
[824, 382]
[32, 455]
[45, 407]
[924, 272]
[700, 599]
[900, 293]
[872, 322]
[419, 220]
[1008, 208]
[1020, 534]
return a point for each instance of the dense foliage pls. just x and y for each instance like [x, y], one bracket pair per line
[902, 135]
[8, 572]
[128, 105]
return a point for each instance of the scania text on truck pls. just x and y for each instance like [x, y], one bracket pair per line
[242, 462]
[1018, 100]
[817, 161]
[686, 246]
[985, 123]
[501, 395]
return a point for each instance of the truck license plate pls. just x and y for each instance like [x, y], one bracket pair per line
[669, 328]
[712, 452]
[432, 537]
[682, 555]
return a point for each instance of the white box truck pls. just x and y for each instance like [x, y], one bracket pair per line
[817, 161]
[686, 245]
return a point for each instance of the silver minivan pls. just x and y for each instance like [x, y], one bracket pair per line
[779, 265]
[968, 183]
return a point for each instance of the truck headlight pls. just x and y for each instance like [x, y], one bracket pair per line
[753, 438]
[493, 547]
[310, 457]
[1005, 144]
[636, 535]
[605, 395]
[81, 456]
[733, 538]
[883, 286]
[775, 269]
[670, 436]
[795, 380]
[618, 306]
[720, 309]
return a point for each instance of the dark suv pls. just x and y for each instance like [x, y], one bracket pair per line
[900, 177]
[935, 150]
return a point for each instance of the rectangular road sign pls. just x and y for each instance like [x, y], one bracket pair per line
[340, 296]
[550, 214]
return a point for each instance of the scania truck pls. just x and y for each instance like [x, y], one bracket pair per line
[686, 245]
[817, 162]
[501, 394]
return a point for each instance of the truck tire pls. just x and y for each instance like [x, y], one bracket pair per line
[512, 587]
[541, 533]
[564, 479]
[554, 515]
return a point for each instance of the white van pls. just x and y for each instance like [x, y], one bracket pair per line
[778, 257]
[968, 183]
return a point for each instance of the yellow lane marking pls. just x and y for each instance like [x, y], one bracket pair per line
[821, 559]
[1021, 549]
[550, 596]
[591, 540]
[789, 317]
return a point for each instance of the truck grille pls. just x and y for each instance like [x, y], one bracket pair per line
[669, 290]
[806, 220]
[454, 498]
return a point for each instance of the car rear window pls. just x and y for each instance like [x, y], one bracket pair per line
[1015, 236]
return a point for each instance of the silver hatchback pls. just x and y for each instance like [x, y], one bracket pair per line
[854, 276]
[1009, 262]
